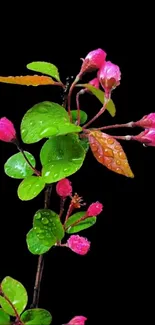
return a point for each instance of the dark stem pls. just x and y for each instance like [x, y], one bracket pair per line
[76, 222]
[18, 320]
[62, 203]
[101, 111]
[78, 107]
[23, 153]
[69, 96]
[115, 126]
[70, 210]
[123, 137]
[40, 266]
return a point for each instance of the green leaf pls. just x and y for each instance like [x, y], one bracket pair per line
[16, 293]
[45, 68]
[4, 318]
[83, 116]
[48, 227]
[84, 224]
[44, 120]
[30, 187]
[61, 157]
[85, 144]
[100, 95]
[35, 245]
[36, 316]
[17, 167]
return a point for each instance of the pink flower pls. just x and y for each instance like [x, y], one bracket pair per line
[147, 137]
[77, 320]
[95, 82]
[94, 209]
[64, 188]
[79, 245]
[109, 76]
[7, 130]
[147, 121]
[93, 61]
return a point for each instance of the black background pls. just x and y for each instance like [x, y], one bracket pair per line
[106, 284]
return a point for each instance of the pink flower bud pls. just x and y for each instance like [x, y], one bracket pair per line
[94, 209]
[147, 137]
[95, 82]
[64, 188]
[93, 61]
[148, 121]
[78, 244]
[109, 76]
[77, 320]
[7, 130]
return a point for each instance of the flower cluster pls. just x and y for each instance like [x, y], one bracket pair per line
[76, 243]
[108, 75]
[147, 137]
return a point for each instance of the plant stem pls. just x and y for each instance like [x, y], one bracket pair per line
[12, 306]
[115, 126]
[123, 137]
[23, 153]
[76, 222]
[62, 202]
[70, 209]
[70, 94]
[40, 266]
[78, 107]
[101, 111]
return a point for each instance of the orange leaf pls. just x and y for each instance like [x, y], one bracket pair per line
[28, 80]
[109, 153]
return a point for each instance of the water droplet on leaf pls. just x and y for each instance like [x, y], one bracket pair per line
[44, 220]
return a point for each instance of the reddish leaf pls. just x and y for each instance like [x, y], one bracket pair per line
[28, 80]
[109, 153]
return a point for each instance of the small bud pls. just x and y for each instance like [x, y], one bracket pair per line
[94, 209]
[95, 82]
[147, 121]
[78, 244]
[64, 188]
[77, 320]
[92, 61]
[147, 137]
[7, 130]
[109, 76]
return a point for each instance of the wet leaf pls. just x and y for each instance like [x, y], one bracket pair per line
[36, 316]
[61, 157]
[48, 227]
[100, 95]
[16, 293]
[4, 318]
[30, 187]
[35, 245]
[44, 120]
[28, 80]
[109, 153]
[17, 167]
[84, 224]
[45, 68]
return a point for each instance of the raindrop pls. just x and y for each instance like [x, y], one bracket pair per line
[55, 175]
[40, 236]
[44, 220]
[38, 215]
[47, 173]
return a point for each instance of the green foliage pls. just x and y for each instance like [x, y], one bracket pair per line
[44, 120]
[83, 116]
[36, 316]
[45, 68]
[30, 187]
[17, 167]
[84, 224]
[100, 95]
[4, 318]
[48, 227]
[61, 157]
[17, 295]
[34, 244]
